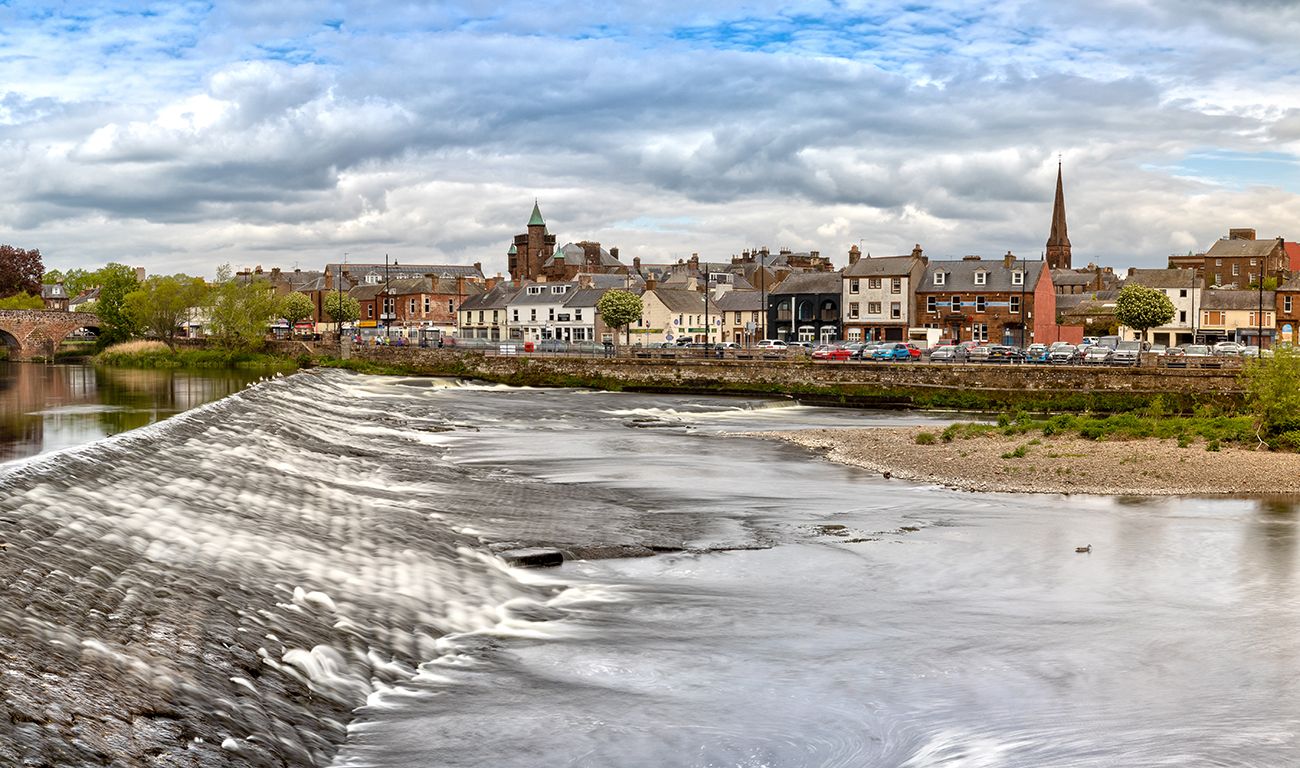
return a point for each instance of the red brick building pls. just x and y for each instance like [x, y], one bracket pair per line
[1008, 301]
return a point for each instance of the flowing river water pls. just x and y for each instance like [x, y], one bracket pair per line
[302, 574]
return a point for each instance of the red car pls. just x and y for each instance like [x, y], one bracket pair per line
[832, 352]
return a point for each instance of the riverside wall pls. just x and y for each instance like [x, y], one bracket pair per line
[909, 384]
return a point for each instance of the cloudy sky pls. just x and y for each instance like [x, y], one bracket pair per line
[179, 136]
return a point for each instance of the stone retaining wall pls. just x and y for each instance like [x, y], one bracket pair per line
[852, 383]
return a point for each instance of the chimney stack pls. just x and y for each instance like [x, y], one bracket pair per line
[650, 283]
[1241, 233]
[636, 264]
[855, 253]
[1008, 260]
[614, 251]
[917, 252]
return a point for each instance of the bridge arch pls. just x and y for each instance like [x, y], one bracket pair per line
[36, 332]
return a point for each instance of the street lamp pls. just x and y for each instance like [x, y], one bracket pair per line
[338, 284]
[388, 317]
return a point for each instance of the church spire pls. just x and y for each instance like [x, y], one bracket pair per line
[536, 220]
[1058, 243]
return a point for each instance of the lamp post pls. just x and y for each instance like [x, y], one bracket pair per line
[707, 327]
[338, 284]
[1259, 316]
[388, 320]
[762, 278]
[1194, 317]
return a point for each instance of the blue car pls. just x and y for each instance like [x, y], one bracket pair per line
[1036, 353]
[892, 352]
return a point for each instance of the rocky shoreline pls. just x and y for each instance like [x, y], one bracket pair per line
[1058, 464]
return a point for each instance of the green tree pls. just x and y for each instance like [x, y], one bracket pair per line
[74, 280]
[618, 309]
[295, 307]
[341, 308]
[115, 282]
[239, 311]
[161, 304]
[22, 301]
[20, 270]
[1273, 397]
[1142, 308]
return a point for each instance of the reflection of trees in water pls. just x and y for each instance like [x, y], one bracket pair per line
[135, 398]
[1273, 533]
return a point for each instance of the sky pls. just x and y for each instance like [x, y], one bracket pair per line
[180, 136]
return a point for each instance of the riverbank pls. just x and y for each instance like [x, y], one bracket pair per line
[1024, 463]
[156, 355]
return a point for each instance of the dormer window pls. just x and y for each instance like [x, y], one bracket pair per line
[559, 288]
[534, 290]
[981, 277]
[940, 278]
[1017, 277]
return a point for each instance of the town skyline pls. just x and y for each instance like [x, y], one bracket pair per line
[185, 137]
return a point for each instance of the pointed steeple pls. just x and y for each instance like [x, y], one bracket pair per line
[513, 250]
[1058, 243]
[536, 220]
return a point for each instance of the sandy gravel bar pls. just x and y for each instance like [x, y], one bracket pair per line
[1057, 464]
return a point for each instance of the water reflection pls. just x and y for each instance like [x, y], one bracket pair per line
[50, 407]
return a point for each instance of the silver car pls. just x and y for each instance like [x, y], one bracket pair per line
[1097, 355]
[1063, 354]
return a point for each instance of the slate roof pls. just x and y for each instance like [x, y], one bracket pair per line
[1290, 285]
[740, 301]
[1072, 277]
[811, 282]
[497, 298]
[585, 297]
[407, 286]
[1236, 249]
[881, 266]
[524, 298]
[1162, 278]
[53, 291]
[91, 295]
[683, 301]
[961, 276]
[1229, 299]
[573, 255]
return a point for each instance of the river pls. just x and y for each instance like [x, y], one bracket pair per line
[225, 587]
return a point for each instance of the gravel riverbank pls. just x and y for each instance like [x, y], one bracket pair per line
[1057, 464]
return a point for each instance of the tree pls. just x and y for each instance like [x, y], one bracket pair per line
[239, 310]
[22, 301]
[20, 271]
[341, 308]
[74, 280]
[161, 304]
[295, 307]
[115, 282]
[1273, 396]
[619, 308]
[1142, 308]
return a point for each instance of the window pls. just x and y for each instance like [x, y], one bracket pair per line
[1215, 318]
[895, 310]
[550, 313]
[939, 278]
[1252, 262]
[516, 315]
[1250, 278]
[1267, 319]
[1218, 262]
[1236, 270]
[853, 285]
[873, 283]
[980, 304]
[979, 332]
[532, 315]
[1286, 304]
[1015, 304]
[426, 305]
[854, 334]
[1218, 278]
[1182, 294]
[411, 304]
[559, 288]
[1017, 277]
[981, 277]
[873, 308]
[390, 306]
[494, 316]
[853, 310]
[956, 303]
[370, 310]
[480, 315]
[931, 304]
[896, 285]
[451, 305]
[1182, 317]
[534, 290]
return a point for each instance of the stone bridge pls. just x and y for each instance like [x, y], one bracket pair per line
[32, 332]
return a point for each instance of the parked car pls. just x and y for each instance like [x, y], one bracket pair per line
[1127, 353]
[806, 346]
[1196, 350]
[949, 353]
[832, 352]
[772, 344]
[1062, 355]
[1002, 353]
[1254, 351]
[978, 354]
[866, 351]
[892, 351]
[1036, 353]
[1097, 355]
[1227, 349]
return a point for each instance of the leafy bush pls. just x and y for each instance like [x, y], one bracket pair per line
[925, 438]
[1212, 446]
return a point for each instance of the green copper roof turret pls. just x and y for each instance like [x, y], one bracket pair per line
[513, 250]
[536, 220]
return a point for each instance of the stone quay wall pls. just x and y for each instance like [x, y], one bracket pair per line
[920, 384]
